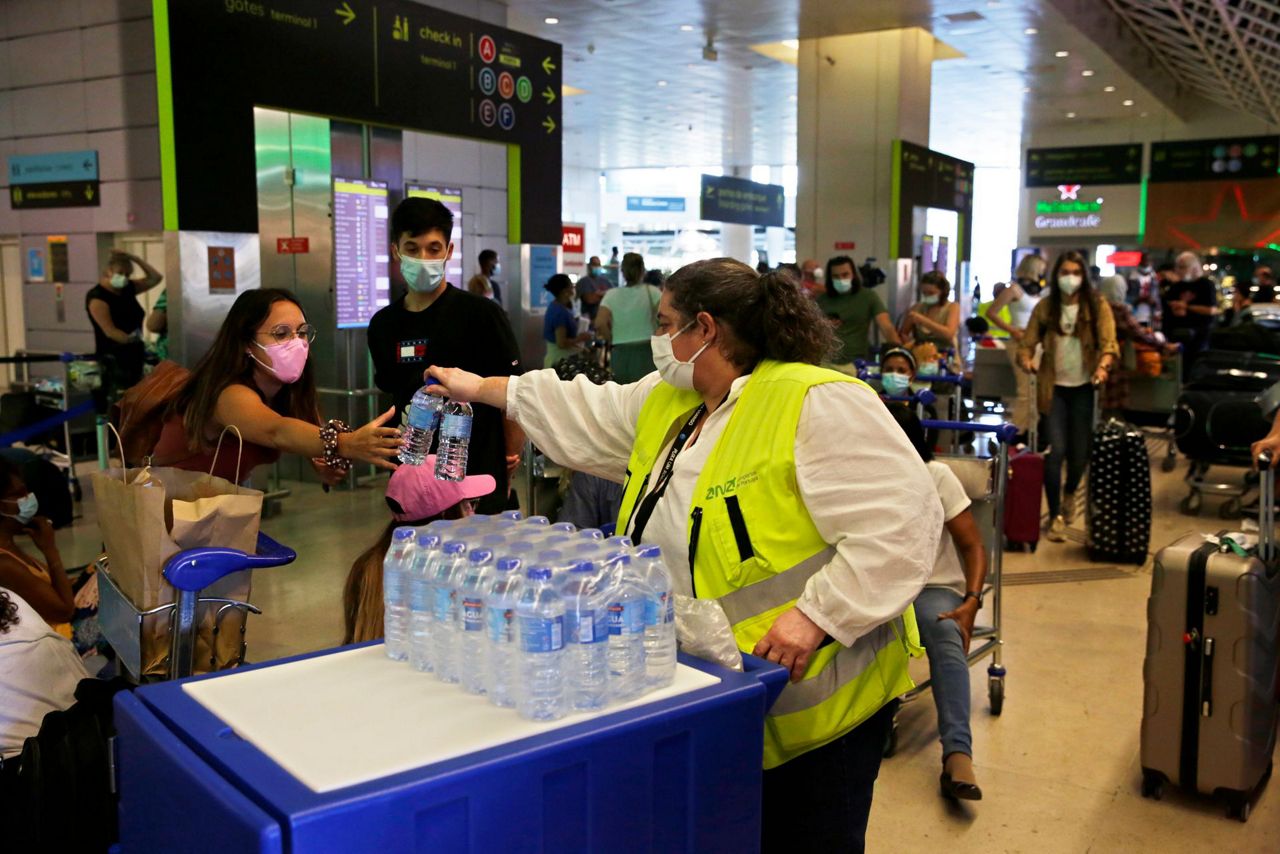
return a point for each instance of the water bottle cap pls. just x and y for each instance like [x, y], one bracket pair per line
[587, 548]
[428, 541]
[494, 539]
[401, 534]
[520, 546]
[481, 555]
[455, 547]
[431, 381]
[550, 554]
[650, 552]
[591, 534]
[539, 573]
[513, 515]
[623, 542]
[620, 557]
[508, 563]
[583, 566]
[537, 520]
[564, 527]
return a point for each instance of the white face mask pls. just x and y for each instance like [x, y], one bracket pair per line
[1069, 284]
[674, 372]
[819, 275]
[842, 286]
[119, 280]
[27, 507]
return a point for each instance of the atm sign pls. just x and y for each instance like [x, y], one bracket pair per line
[574, 239]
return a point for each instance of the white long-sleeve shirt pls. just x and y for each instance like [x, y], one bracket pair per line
[865, 487]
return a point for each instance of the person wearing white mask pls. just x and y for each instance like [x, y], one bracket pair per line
[41, 584]
[438, 323]
[783, 490]
[1076, 328]
[851, 309]
[935, 318]
[116, 317]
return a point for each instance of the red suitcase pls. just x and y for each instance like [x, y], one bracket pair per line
[1022, 501]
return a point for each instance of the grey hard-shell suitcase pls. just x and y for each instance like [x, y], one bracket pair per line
[1210, 710]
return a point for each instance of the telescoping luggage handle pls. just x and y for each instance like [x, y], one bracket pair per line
[1266, 508]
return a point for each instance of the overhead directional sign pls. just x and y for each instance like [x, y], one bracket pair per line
[395, 63]
[60, 194]
[924, 178]
[728, 199]
[1086, 164]
[1211, 159]
[53, 167]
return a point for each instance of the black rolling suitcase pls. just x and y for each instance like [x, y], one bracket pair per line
[1218, 426]
[1217, 370]
[1209, 678]
[1119, 508]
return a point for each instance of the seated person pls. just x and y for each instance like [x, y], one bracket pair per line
[416, 498]
[43, 586]
[897, 371]
[945, 611]
[39, 671]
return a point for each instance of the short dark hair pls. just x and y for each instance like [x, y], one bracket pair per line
[418, 216]
[557, 284]
[1166, 267]
[487, 255]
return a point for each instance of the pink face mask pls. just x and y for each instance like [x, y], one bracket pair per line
[287, 359]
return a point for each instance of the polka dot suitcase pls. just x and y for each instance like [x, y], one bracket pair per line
[1119, 504]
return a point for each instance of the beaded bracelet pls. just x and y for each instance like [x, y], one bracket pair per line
[329, 436]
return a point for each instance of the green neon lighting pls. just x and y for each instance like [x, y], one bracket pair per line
[513, 193]
[164, 104]
[895, 197]
[1142, 212]
[1044, 207]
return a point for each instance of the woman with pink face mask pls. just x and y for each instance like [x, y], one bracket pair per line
[257, 377]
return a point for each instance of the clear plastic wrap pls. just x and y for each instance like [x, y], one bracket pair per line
[703, 630]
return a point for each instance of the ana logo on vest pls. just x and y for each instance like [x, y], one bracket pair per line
[730, 486]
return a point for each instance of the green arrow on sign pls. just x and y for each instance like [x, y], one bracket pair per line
[549, 94]
[548, 66]
[88, 193]
[345, 12]
[549, 123]
[711, 191]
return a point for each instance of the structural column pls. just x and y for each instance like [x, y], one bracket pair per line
[857, 94]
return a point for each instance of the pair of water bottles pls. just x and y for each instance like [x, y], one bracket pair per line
[453, 418]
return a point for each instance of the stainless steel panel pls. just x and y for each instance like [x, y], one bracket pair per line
[275, 194]
[312, 206]
[201, 311]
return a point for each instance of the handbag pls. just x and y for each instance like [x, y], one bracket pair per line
[147, 515]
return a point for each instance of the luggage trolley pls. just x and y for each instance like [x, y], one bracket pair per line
[984, 480]
[1153, 401]
[191, 572]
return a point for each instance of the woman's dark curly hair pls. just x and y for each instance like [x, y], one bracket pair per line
[8, 612]
[768, 317]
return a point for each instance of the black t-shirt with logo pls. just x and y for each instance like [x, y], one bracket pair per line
[458, 330]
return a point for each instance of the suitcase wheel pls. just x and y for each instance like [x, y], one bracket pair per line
[1190, 506]
[995, 692]
[1240, 808]
[1230, 509]
[1152, 784]
[1168, 464]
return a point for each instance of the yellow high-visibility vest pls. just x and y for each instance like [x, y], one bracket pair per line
[753, 546]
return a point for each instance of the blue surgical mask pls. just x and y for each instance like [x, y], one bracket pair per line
[597, 271]
[28, 505]
[119, 280]
[929, 299]
[842, 286]
[895, 385]
[497, 271]
[423, 276]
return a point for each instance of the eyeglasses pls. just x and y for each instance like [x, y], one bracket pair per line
[283, 333]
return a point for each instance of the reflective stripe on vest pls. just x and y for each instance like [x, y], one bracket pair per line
[785, 587]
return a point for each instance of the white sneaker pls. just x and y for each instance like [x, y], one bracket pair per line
[1057, 530]
[1069, 507]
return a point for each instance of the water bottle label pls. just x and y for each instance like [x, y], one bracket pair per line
[500, 620]
[583, 627]
[456, 427]
[542, 634]
[422, 418]
[670, 616]
[658, 609]
[444, 605]
[626, 618]
[420, 598]
[472, 615]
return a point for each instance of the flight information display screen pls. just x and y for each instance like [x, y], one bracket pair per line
[451, 198]
[361, 250]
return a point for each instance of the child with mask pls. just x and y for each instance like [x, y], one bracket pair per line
[852, 309]
[257, 377]
[436, 323]
[1077, 330]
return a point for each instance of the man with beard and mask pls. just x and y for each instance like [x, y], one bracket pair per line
[437, 324]
[1021, 296]
[852, 308]
[1190, 307]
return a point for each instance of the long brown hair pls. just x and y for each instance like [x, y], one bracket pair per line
[228, 362]
[767, 316]
[1088, 294]
[362, 592]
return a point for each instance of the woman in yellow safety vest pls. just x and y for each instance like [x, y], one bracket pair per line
[781, 489]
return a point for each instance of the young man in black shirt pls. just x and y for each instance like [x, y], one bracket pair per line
[436, 324]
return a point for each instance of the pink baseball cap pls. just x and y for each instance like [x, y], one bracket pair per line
[414, 493]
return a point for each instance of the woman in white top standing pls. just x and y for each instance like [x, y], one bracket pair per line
[1021, 296]
[627, 318]
[781, 489]
[946, 609]
[1078, 333]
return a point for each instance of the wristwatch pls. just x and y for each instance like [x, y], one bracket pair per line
[969, 594]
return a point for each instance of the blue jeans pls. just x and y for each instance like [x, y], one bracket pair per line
[948, 668]
[1070, 434]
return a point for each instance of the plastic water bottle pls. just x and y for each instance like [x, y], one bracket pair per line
[420, 425]
[455, 438]
[659, 619]
[538, 521]
[586, 636]
[477, 574]
[421, 601]
[540, 618]
[591, 534]
[500, 602]
[513, 515]
[564, 528]
[626, 595]
[619, 543]
[395, 610]
[444, 589]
